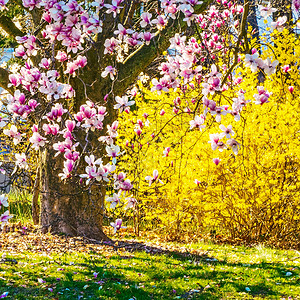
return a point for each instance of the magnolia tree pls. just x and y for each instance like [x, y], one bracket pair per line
[74, 69]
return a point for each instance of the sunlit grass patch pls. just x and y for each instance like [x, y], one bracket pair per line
[20, 206]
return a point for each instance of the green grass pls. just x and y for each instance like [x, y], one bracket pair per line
[226, 272]
[20, 206]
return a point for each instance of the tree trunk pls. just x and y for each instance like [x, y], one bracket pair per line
[69, 207]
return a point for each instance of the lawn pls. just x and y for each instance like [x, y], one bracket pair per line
[37, 266]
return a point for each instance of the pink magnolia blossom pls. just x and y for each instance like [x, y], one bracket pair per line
[166, 151]
[61, 147]
[13, 133]
[5, 217]
[56, 112]
[153, 178]
[189, 16]
[115, 200]
[253, 61]
[111, 71]
[45, 63]
[162, 112]
[70, 125]
[71, 155]
[235, 146]
[146, 36]
[296, 4]
[262, 96]
[91, 173]
[160, 22]
[117, 225]
[31, 4]
[266, 11]
[138, 130]
[140, 123]
[198, 122]
[114, 7]
[112, 130]
[285, 68]
[47, 17]
[270, 67]
[20, 52]
[68, 168]
[131, 202]
[110, 45]
[146, 19]
[21, 160]
[227, 131]
[73, 42]
[51, 129]
[90, 160]
[216, 143]
[122, 31]
[14, 80]
[37, 140]
[216, 161]
[133, 40]
[219, 112]
[279, 24]
[61, 56]
[81, 61]
[71, 68]
[159, 85]
[113, 151]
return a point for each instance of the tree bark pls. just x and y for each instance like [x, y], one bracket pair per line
[69, 207]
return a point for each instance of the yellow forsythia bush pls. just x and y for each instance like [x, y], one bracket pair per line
[252, 196]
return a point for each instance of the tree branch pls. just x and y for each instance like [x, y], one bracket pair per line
[9, 27]
[243, 33]
[4, 81]
[139, 60]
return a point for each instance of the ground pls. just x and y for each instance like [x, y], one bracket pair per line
[43, 266]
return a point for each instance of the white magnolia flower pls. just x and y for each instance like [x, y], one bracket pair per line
[266, 11]
[3, 200]
[122, 103]
[21, 160]
[115, 200]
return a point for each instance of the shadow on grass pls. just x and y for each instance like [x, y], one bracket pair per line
[155, 273]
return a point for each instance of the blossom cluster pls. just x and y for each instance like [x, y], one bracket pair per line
[254, 62]
[4, 217]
